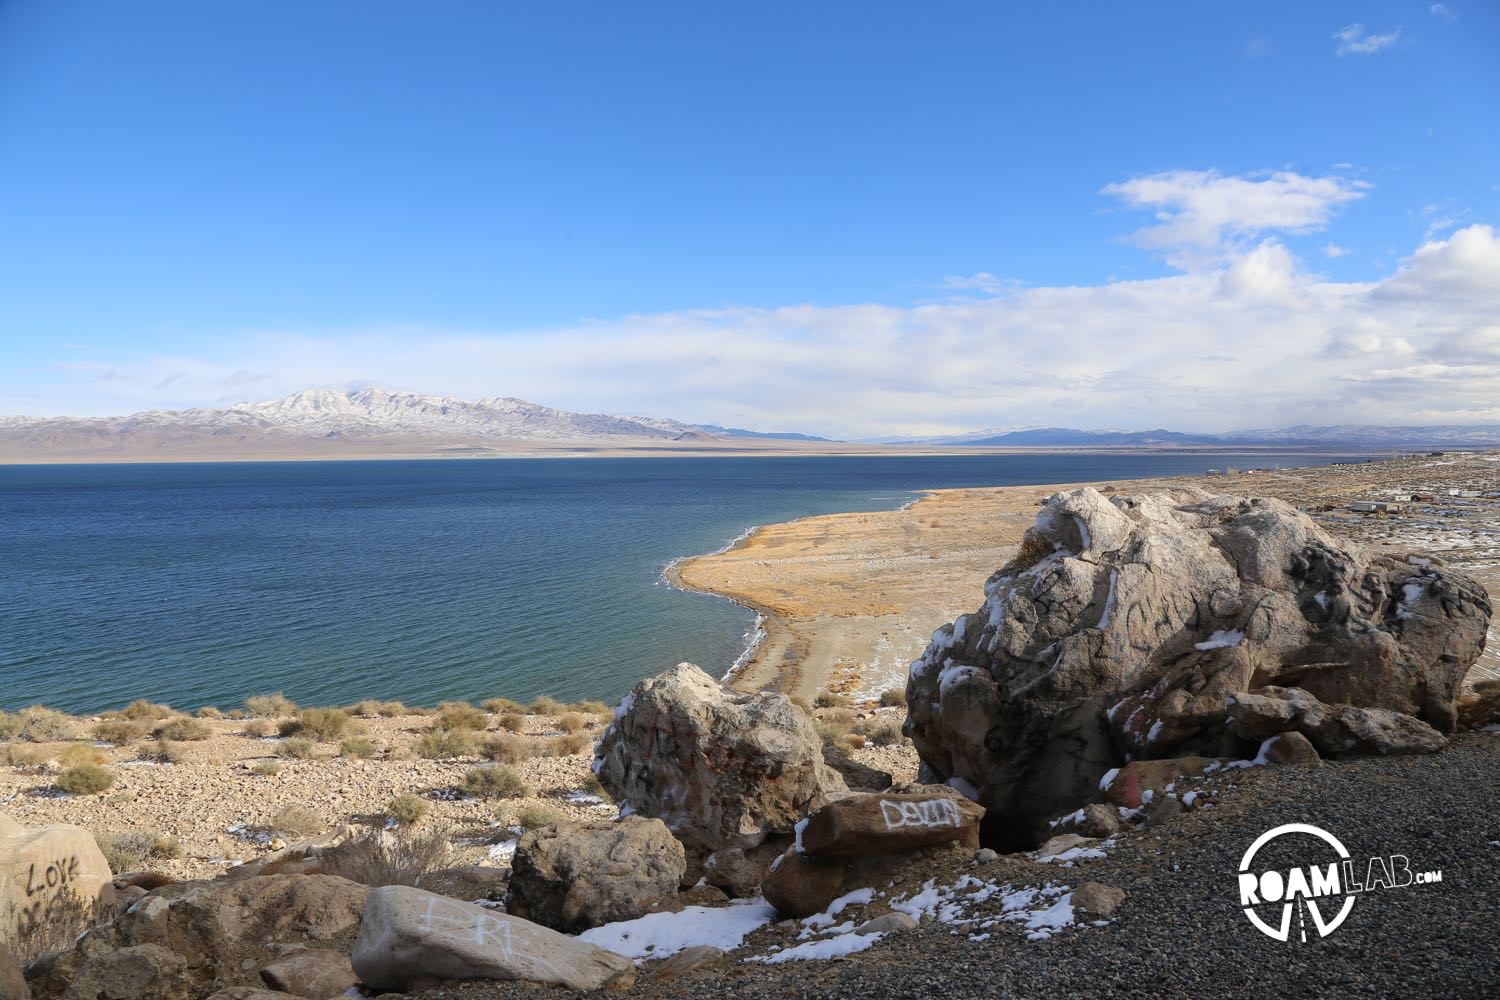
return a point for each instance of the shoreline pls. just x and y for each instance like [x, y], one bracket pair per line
[809, 640]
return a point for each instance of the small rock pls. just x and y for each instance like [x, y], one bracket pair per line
[1099, 821]
[1097, 900]
[985, 856]
[314, 972]
[1164, 811]
[1290, 748]
[699, 958]
[800, 886]
[571, 876]
[890, 923]
[1063, 842]
[1134, 780]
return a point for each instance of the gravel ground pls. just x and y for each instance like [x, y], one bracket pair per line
[1180, 931]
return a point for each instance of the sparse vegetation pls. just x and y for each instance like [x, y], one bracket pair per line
[142, 710]
[500, 706]
[506, 749]
[258, 729]
[513, 722]
[495, 782]
[85, 779]
[183, 729]
[38, 724]
[830, 699]
[883, 734]
[593, 786]
[592, 708]
[832, 734]
[119, 731]
[159, 752]
[76, 754]
[326, 725]
[297, 748]
[69, 916]
[535, 814]
[268, 768]
[408, 809]
[446, 744]
[370, 708]
[298, 820]
[271, 705]
[565, 746]
[358, 748]
[461, 715]
[130, 852]
[544, 706]
[388, 858]
[16, 755]
[572, 722]
[209, 712]
[893, 698]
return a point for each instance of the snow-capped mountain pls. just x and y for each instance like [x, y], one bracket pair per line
[368, 417]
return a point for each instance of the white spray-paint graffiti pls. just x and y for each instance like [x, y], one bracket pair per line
[925, 814]
[486, 930]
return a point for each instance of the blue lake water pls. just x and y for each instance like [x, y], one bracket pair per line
[201, 584]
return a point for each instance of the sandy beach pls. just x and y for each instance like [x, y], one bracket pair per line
[849, 600]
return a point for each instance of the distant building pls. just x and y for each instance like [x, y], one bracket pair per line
[1375, 507]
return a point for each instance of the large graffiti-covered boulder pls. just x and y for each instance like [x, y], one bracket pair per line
[721, 769]
[1126, 626]
[50, 873]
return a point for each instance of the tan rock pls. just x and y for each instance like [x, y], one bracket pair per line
[699, 958]
[571, 876]
[1062, 843]
[1099, 821]
[722, 769]
[315, 972]
[1290, 748]
[47, 871]
[12, 982]
[1332, 729]
[739, 871]
[255, 993]
[1093, 899]
[890, 923]
[1129, 785]
[799, 886]
[9, 827]
[408, 934]
[879, 823]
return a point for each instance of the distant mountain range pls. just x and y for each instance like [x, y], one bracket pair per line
[373, 422]
[330, 421]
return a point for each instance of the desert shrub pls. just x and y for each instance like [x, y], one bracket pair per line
[368, 708]
[832, 733]
[593, 786]
[297, 748]
[130, 852]
[495, 782]
[322, 724]
[298, 820]
[830, 699]
[855, 740]
[446, 744]
[500, 706]
[267, 705]
[69, 917]
[85, 779]
[461, 715]
[269, 768]
[838, 716]
[236, 714]
[388, 858]
[408, 809]
[75, 754]
[800, 702]
[39, 724]
[259, 729]
[883, 734]
[360, 747]
[544, 706]
[566, 746]
[506, 749]
[10, 725]
[572, 722]
[209, 712]
[183, 729]
[142, 710]
[591, 708]
[893, 698]
[16, 755]
[119, 731]
[535, 814]
[512, 722]
[159, 752]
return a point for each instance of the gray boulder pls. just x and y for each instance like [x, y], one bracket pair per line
[571, 877]
[722, 769]
[1125, 625]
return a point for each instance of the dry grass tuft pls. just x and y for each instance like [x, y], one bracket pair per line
[270, 705]
[388, 858]
[85, 779]
[183, 729]
[461, 715]
[446, 744]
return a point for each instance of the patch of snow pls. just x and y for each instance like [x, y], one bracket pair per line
[859, 897]
[1156, 729]
[832, 947]
[1418, 561]
[1083, 533]
[1109, 602]
[659, 935]
[1042, 924]
[504, 851]
[1322, 598]
[797, 831]
[1221, 639]
[1076, 816]
[1109, 777]
[1189, 798]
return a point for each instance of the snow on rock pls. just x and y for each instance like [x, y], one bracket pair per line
[660, 935]
[1221, 639]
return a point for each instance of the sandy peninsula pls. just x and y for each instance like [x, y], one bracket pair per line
[847, 601]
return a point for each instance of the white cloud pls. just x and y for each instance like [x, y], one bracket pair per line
[983, 281]
[1352, 39]
[1333, 251]
[1203, 215]
[1442, 13]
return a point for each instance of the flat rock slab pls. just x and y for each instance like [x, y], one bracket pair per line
[408, 934]
[862, 825]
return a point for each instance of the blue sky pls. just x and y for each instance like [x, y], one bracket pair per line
[854, 219]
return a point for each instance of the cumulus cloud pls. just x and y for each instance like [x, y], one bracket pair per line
[1352, 39]
[1257, 341]
[1442, 13]
[1202, 215]
[983, 282]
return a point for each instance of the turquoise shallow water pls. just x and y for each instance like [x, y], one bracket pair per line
[420, 581]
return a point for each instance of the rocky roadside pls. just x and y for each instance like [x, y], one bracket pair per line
[1180, 931]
